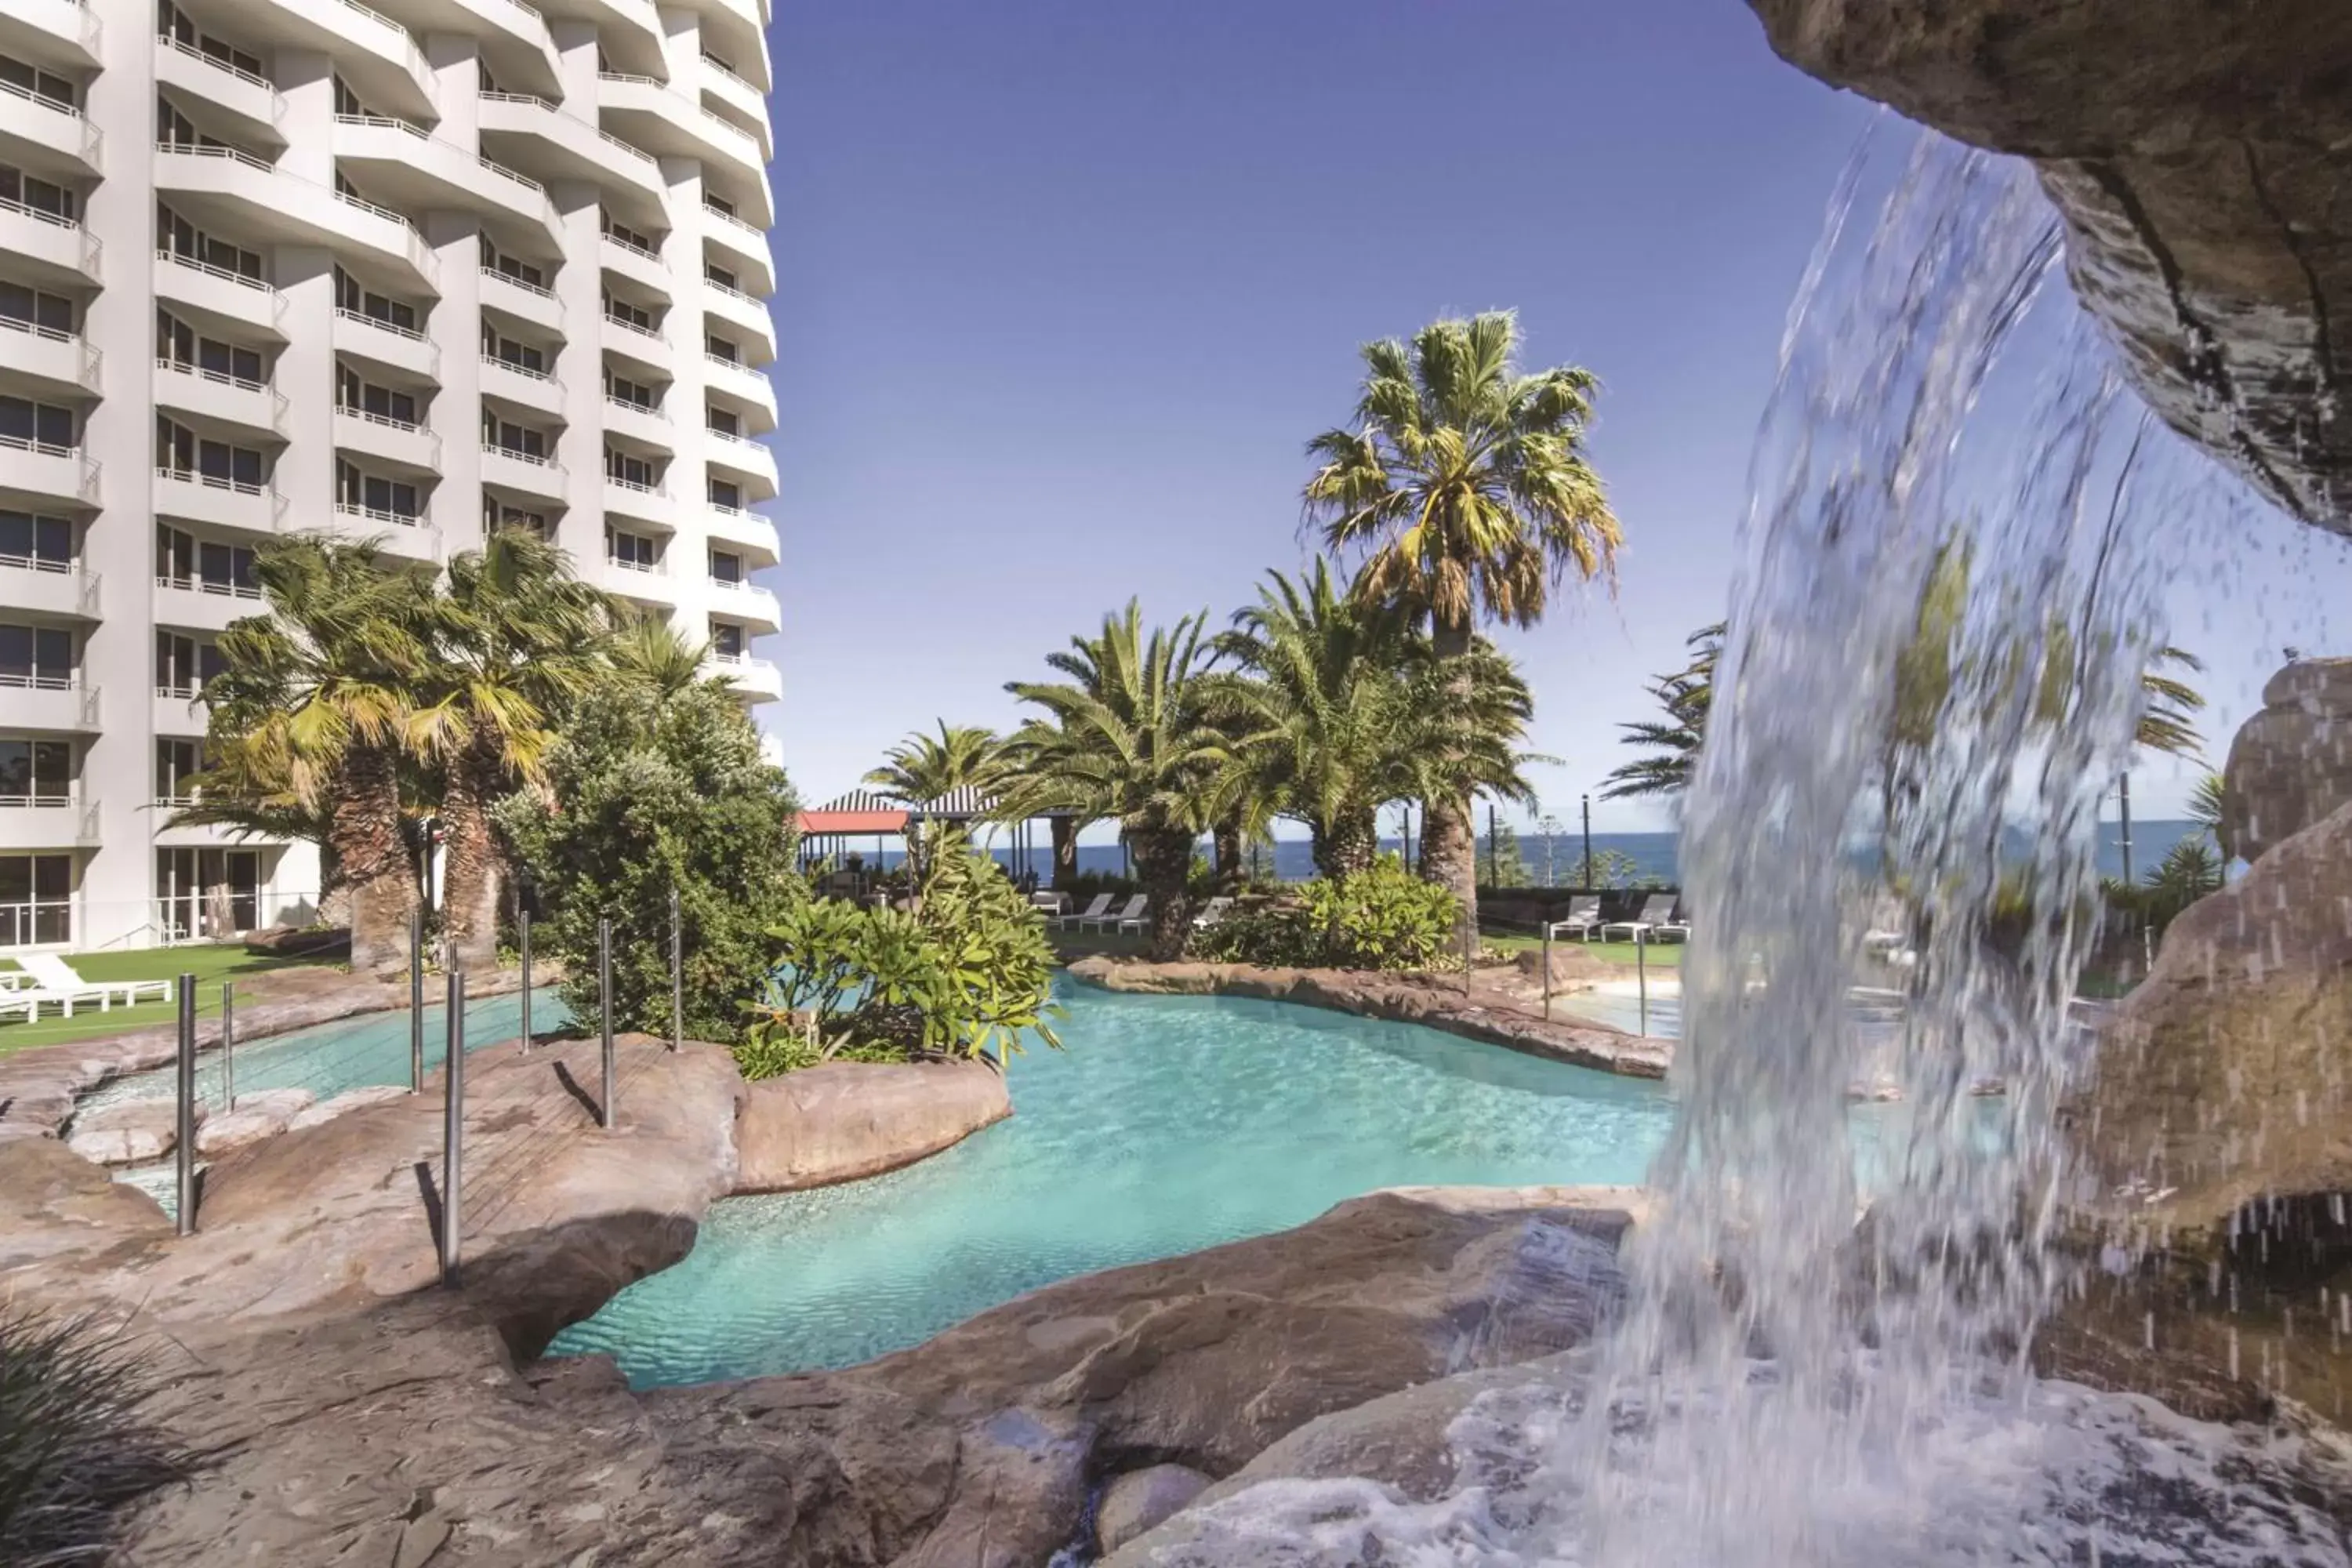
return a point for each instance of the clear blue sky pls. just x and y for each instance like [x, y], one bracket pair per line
[1065, 286]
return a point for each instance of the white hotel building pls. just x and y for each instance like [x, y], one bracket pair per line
[395, 270]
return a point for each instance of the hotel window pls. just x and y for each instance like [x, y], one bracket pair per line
[726, 493]
[41, 195]
[208, 892]
[722, 421]
[635, 394]
[351, 296]
[182, 664]
[719, 204]
[46, 86]
[25, 423]
[635, 552]
[29, 541]
[506, 266]
[636, 316]
[642, 472]
[497, 345]
[185, 455]
[169, 19]
[726, 566]
[176, 761]
[395, 499]
[183, 561]
[387, 404]
[727, 639]
[727, 348]
[497, 515]
[36, 308]
[36, 773]
[627, 235]
[173, 129]
[183, 238]
[348, 102]
[722, 277]
[38, 656]
[509, 436]
[36, 900]
[181, 345]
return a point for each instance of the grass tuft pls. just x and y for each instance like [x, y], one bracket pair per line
[75, 1445]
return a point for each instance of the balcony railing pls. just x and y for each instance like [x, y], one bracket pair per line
[627, 325]
[219, 377]
[379, 514]
[213, 585]
[641, 156]
[251, 79]
[211, 482]
[631, 244]
[34, 801]
[91, 357]
[730, 289]
[415, 56]
[38, 563]
[93, 141]
[731, 221]
[390, 421]
[90, 247]
[37, 680]
[525, 284]
[536, 459]
[210, 270]
[634, 406]
[380, 324]
[648, 568]
[638, 486]
[522, 370]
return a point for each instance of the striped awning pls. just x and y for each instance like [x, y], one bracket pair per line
[965, 805]
[859, 811]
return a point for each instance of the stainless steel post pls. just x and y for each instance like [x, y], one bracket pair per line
[676, 974]
[417, 1001]
[1466, 956]
[1546, 964]
[184, 1160]
[228, 1044]
[453, 1127]
[605, 1013]
[1641, 975]
[524, 923]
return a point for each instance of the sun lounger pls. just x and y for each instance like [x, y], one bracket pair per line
[1093, 912]
[1583, 919]
[56, 981]
[1212, 911]
[1137, 914]
[1132, 910]
[1657, 911]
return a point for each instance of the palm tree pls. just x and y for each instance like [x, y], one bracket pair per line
[1684, 696]
[923, 767]
[1130, 737]
[1465, 482]
[648, 651]
[312, 709]
[518, 640]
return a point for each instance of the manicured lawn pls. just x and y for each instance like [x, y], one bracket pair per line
[1665, 953]
[210, 963]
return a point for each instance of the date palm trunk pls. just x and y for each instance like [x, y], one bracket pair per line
[1449, 847]
[471, 871]
[363, 831]
[1227, 843]
[1163, 863]
[1347, 844]
[1064, 830]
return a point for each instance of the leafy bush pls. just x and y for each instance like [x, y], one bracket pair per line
[1383, 917]
[967, 973]
[1083, 887]
[74, 1446]
[647, 794]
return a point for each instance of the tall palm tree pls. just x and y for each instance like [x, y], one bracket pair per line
[923, 767]
[518, 640]
[1466, 483]
[1130, 737]
[647, 650]
[315, 698]
[1684, 696]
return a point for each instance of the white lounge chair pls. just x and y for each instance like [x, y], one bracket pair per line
[1132, 910]
[1212, 911]
[1137, 914]
[57, 982]
[1583, 917]
[1050, 904]
[1657, 911]
[1093, 912]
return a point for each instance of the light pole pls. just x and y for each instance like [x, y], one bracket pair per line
[1587, 842]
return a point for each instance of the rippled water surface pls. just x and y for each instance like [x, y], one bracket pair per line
[1170, 1125]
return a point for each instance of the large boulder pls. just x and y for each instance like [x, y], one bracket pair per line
[253, 1118]
[130, 1132]
[2290, 763]
[849, 1119]
[2223, 1076]
[2197, 153]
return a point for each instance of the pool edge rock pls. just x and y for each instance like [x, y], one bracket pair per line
[844, 1121]
[1483, 1012]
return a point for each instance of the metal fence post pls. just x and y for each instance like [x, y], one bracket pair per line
[605, 1013]
[453, 1126]
[228, 1044]
[184, 1161]
[676, 973]
[525, 924]
[1641, 975]
[417, 1001]
[1546, 964]
[1465, 955]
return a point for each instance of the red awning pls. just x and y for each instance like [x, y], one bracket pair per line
[853, 821]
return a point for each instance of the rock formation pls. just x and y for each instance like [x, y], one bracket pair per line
[2290, 763]
[848, 1119]
[2196, 151]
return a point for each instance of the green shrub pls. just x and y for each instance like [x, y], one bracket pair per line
[1383, 917]
[647, 794]
[75, 1447]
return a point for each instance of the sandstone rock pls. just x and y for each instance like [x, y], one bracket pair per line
[346, 1102]
[2196, 153]
[847, 1120]
[264, 1114]
[129, 1132]
[1141, 1500]
[2290, 763]
[2223, 1078]
[1572, 968]
[63, 1214]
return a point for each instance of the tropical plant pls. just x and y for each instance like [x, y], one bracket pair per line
[923, 767]
[645, 795]
[312, 714]
[1466, 485]
[1130, 737]
[1381, 918]
[77, 1447]
[646, 651]
[2208, 804]
[1683, 696]
[517, 641]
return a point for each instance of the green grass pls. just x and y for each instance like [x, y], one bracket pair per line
[1669, 953]
[211, 964]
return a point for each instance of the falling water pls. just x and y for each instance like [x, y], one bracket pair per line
[1952, 583]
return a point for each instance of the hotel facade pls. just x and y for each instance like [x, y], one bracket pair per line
[406, 270]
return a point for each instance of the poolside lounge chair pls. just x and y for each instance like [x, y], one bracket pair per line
[1583, 919]
[1093, 912]
[56, 981]
[1133, 910]
[1137, 914]
[1658, 912]
[1212, 911]
[1050, 904]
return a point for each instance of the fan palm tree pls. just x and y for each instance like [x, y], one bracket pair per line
[311, 711]
[518, 640]
[1465, 485]
[1130, 737]
[923, 767]
[1684, 696]
[648, 651]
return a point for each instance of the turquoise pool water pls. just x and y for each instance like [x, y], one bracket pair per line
[1170, 1125]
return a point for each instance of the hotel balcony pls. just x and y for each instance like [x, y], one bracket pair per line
[643, 349]
[754, 680]
[231, 298]
[735, 28]
[648, 427]
[379, 342]
[52, 250]
[748, 462]
[738, 100]
[745, 315]
[739, 382]
[243, 194]
[50, 704]
[195, 605]
[635, 263]
[222, 502]
[628, 30]
[651, 505]
[751, 534]
[548, 141]
[370, 50]
[176, 711]
[512, 33]
[650, 585]
[665, 122]
[48, 822]
[46, 471]
[404, 444]
[59, 364]
[48, 588]
[55, 29]
[405, 163]
[732, 243]
[251, 107]
[746, 602]
[413, 538]
[526, 302]
[48, 137]
[253, 407]
[535, 478]
[533, 389]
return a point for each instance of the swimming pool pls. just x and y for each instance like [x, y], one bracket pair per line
[1170, 1125]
